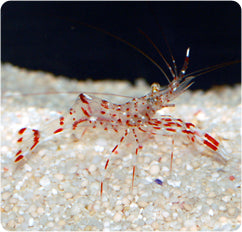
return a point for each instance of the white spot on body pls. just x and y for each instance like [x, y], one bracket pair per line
[93, 118]
[87, 96]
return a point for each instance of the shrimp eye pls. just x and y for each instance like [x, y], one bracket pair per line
[155, 87]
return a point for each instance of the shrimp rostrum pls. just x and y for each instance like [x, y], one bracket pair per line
[133, 120]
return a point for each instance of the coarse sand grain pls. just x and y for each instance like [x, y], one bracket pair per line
[57, 187]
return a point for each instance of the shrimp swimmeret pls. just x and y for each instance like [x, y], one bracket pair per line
[131, 121]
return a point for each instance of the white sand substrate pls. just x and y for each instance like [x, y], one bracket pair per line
[57, 186]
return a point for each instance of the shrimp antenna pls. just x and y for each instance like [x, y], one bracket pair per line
[182, 74]
[127, 43]
[166, 42]
[160, 53]
[211, 68]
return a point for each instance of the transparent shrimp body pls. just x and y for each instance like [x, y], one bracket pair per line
[132, 119]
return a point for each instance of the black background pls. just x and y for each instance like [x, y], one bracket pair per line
[47, 36]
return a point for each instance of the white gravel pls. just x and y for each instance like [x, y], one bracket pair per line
[57, 187]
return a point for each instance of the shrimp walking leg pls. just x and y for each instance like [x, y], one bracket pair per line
[109, 158]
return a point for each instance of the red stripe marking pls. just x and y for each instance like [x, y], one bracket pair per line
[211, 139]
[58, 130]
[151, 123]
[115, 148]
[171, 159]
[85, 112]
[141, 129]
[21, 131]
[134, 133]
[169, 124]
[36, 138]
[210, 145]
[127, 123]
[89, 108]
[167, 119]
[157, 122]
[61, 120]
[103, 112]
[121, 140]
[35, 143]
[20, 140]
[171, 129]
[188, 125]
[106, 164]
[19, 158]
[18, 153]
[178, 125]
[74, 125]
[101, 189]
[104, 104]
[156, 127]
[133, 177]
[147, 115]
[83, 98]
[187, 132]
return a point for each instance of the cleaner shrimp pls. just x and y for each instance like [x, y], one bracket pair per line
[131, 121]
